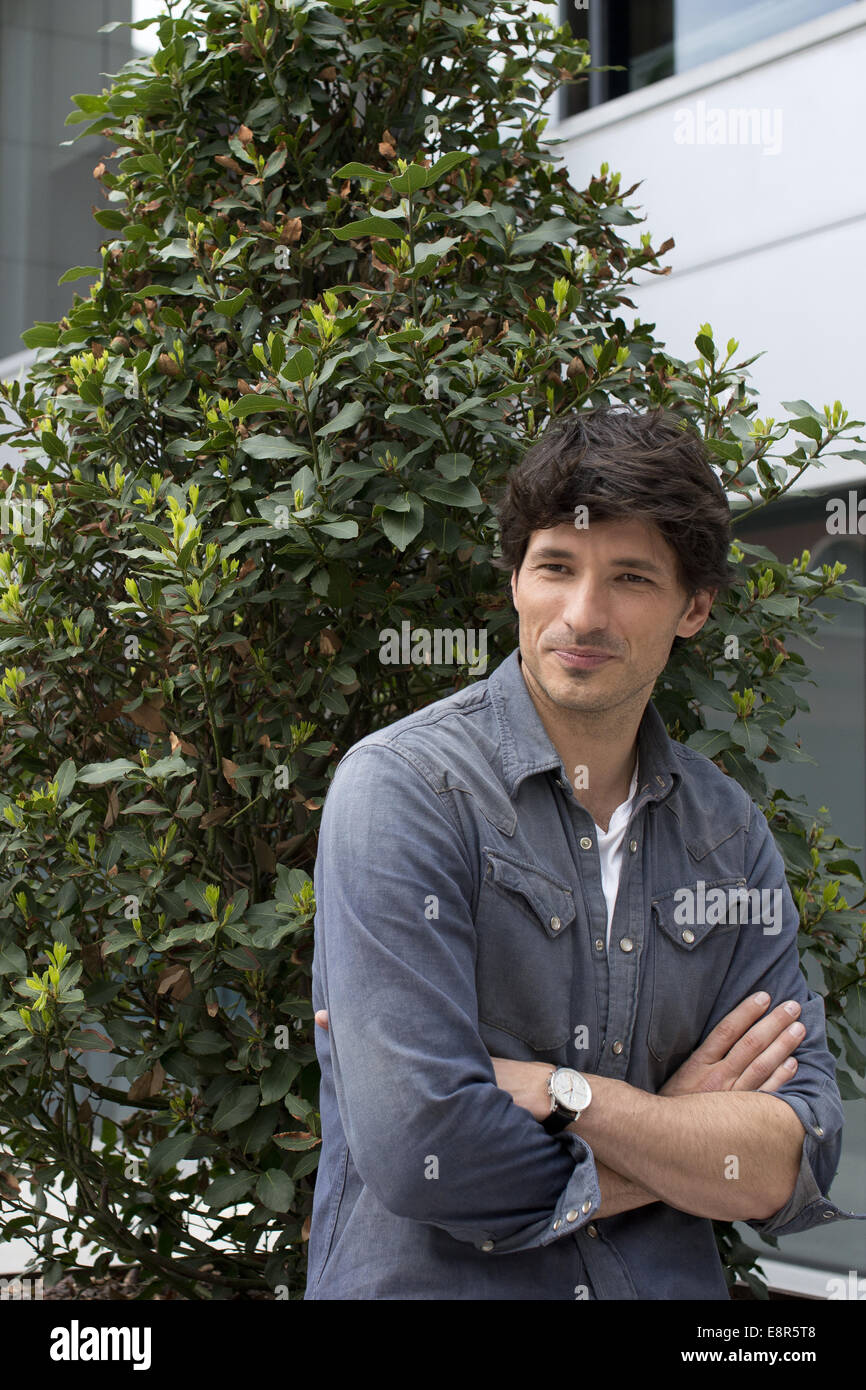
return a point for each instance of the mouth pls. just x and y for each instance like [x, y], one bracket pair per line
[583, 658]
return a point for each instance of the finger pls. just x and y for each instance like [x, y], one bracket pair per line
[731, 1028]
[772, 1032]
[784, 1073]
[321, 1017]
[752, 1076]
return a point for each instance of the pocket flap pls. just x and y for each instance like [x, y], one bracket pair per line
[689, 914]
[550, 901]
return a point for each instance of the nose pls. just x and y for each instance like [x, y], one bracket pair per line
[587, 606]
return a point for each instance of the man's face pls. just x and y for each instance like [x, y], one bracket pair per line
[610, 588]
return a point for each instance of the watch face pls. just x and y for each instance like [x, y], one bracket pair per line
[571, 1089]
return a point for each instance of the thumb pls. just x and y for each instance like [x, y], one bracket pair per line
[321, 1017]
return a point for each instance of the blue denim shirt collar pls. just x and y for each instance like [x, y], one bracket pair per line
[526, 748]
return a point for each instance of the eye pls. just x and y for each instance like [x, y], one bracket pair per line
[641, 578]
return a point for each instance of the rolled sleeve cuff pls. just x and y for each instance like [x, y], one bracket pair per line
[807, 1205]
[578, 1203]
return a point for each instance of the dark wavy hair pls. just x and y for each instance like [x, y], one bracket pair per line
[648, 466]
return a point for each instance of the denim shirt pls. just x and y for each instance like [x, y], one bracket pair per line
[460, 916]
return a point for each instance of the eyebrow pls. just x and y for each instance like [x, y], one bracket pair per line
[552, 552]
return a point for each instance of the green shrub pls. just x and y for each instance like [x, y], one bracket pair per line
[343, 285]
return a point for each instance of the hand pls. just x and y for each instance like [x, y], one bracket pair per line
[526, 1082]
[742, 1054]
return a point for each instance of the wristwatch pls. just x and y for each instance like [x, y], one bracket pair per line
[570, 1094]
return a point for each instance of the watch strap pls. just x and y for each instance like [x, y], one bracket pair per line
[557, 1120]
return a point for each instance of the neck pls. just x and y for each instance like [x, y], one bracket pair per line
[598, 748]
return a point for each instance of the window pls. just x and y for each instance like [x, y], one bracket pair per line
[650, 42]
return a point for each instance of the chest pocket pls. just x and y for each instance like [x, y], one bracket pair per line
[690, 960]
[525, 926]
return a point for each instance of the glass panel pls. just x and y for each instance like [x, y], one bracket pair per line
[48, 51]
[834, 733]
[654, 41]
[704, 30]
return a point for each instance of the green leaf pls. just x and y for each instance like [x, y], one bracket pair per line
[235, 1107]
[65, 779]
[345, 418]
[110, 218]
[153, 533]
[340, 530]
[453, 466]
[855, 1009]
[803, 408]
[306, 1163]
[252, 404]
[225, 1191]
[706, 347]
[368, 226]
[805, 424]
[89, 103]
[41, 335]
[446, 164]
[461, 492]
[710, 742]
[207, 1043]
[299, 365]
[77, 272]
[616, 215]
[355, 170]
[274, 163]
[428, 254]
[557, 229]
[273, 446]
[277, 1080]
[232, 306]
[403, 527]
[749, 735]
[711, 693]
[193, 890]
[89, 1040]
[94, 774]
[294, 1144]
[848, 1090]
[414, 176]
[168, 1153]
[12, 959]
[275, 1189]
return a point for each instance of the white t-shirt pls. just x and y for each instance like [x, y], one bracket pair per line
[610, 849]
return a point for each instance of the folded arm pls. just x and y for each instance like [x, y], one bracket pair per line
[429, 1131]
[731, 1156]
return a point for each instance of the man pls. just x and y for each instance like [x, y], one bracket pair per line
[550, 1059]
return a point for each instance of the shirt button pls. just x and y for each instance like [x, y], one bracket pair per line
[617, 1048]
[599, 943]
[819, 1131]
[585, 842]
[591, 1231]
[555, 923]
[827, 1214]
[587, 1206]
[688, 936]
[632, 844]
[557, 1223]
[488, 1245]
[626, 944]
[571, 1215]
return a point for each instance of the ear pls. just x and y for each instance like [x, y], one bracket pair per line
[696, 612]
